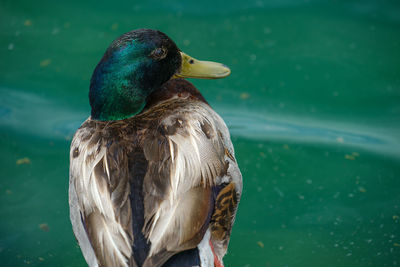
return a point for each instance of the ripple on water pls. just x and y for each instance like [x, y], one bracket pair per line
[254, 125]
[52, 118]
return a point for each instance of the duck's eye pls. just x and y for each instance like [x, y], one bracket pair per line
[159, 53]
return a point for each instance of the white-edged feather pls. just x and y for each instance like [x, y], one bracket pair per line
[195, 160]
[205, 251]
[92, 195]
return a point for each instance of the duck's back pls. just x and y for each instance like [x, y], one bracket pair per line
[160, 188]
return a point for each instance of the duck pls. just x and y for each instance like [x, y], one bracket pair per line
[153, 178]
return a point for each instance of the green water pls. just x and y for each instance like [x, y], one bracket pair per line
[313, 105]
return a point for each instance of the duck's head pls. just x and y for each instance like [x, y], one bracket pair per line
[135, 65]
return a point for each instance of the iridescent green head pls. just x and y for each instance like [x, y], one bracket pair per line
[135, 65]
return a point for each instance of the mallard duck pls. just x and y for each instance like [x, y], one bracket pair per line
[153, 176]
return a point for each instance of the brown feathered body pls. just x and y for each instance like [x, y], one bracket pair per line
[147, 189]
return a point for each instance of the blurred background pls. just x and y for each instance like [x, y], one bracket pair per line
[313, 105]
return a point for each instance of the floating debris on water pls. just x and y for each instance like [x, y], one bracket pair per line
[44, 227]
[352, 156]
[114, 27]
[286, 146]
[23, 161]
[260, 244]
[45, 62]
[28, 23]
[340, 140]
[362, 189]
[244, 96]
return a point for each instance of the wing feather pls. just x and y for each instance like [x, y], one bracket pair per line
[99, 198]
[187, 153]
[191, 160]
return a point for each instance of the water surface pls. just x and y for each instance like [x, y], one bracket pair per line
[313, 105]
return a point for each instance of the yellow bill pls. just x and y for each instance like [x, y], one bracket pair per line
[193, 68]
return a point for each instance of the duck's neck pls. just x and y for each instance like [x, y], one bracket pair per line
[118, 89]
[109, 102]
